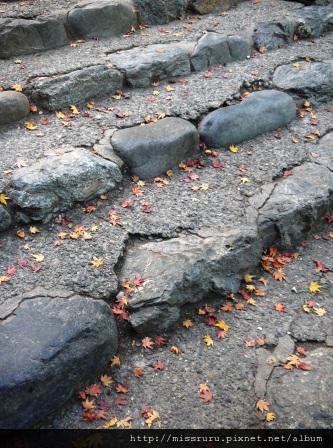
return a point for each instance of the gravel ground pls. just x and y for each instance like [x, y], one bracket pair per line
[228, 367]
[30, 9]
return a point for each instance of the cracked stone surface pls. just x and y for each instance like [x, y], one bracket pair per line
[230, 368]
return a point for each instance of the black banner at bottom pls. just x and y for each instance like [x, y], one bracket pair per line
[210, 438]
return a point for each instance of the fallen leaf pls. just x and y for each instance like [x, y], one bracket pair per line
[17, 87]
[234, 149]
[74, 110]
[320, 266]
[138, 372]
[279, 275]
[30, 125]
[147, 343]
[208, 340]
[34, 229]
[115, 361]
[270, 417]
[262, 405]
[97, 262]
[159, 365]
[314, 287]
[175, 349]
[39, 258]
[94, 390]
[187, 323]
[280, 307]
[3, 199]
[222, 325]
[121, 389]
[106, 380]
[88, 404]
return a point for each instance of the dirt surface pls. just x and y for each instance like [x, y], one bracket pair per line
[229, 367]
[31, 9]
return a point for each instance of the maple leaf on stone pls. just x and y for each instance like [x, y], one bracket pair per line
[138, 372]
[159, 365]
[175, 349]
[4, 198]
[270, 417]
[187, 323]
[211, 320]
[227, 307]
[97, 262]
[94, 390]
[264, 281]
[222, 325]
[220, 334]
[159, 341]
[280, 307]
[121, 389]
[314, 287]
[106, 380]
[262, 405]
[147, 343]
[114, 218]
[248, 278]
[329, 219]
[208, 340]
[127, 203]
[279, 275]
[218, 164]
[260, 292]
[88, 405]
[301, 351]
[239, 306]
[115, 361]
[138, 280]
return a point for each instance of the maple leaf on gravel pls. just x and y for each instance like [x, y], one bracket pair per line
[205, 393]
[280, 307]
[159, 341]
[279, 275]
[147, 343]
[120, 401]
[175, 349]
[94, 390]
[88, 405]
[314, 287]
[270, 417]
[329, 219]
[115, 361]
[262, 405]
[250, 342]
[121, 389]
[220, 334]
[187, 323]
[208, 340]
[320, 266]
[138, 372]
[127, 203]
[159, 365]
[218, 164]
[222, 325]
[106, 380]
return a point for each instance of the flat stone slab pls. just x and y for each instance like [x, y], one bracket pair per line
[152, 149]
[261, 112]
[13, 106]
[306, 78]
[60, 91]
[141, 66]
[50, 346]
[56, 183]
[294, 206]
[183, 270]
[24, 36]
[102, 18]
[296, 409]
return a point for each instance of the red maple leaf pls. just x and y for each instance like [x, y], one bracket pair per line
[250, 342]
[220, 334]
[90, 416]
[329, 219]
[94, 390]
[159, 365]
[100, 414]
[211, 320]
[206, 395]
[22, 263]
[218, 164]
[121, 389]
[320, 266]
[11, 270]
[159, 340]
[120, 401]
[127, 203]
[138, 280]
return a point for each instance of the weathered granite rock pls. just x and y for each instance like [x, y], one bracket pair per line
[324, 150]
[50, 346]
[240, 46]
[293, 207]
[272, 35]
[211, 49]
[102, 18]
[5, 218]
[24, 36]
[158, 12]
[265, 365]
[295, 408]
[207, 6]
[313, 21]
[310, 79]
[307, 328]
[61, 91]
[184, 270]
[56, 183]
[13, 106]
[153, 149]
[141, 66]
[261, 112]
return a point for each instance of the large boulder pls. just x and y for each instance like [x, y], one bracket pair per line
[152, 149]
[309, 79]
[102, 18]
[158, 12]
[271, 35]
[25, 36]
[313, 21]
[261, 112]
[61, 91]
[13, 106]
[141, 66]
[55, 183]
[5, 218]
[184, 270]
[51, 345]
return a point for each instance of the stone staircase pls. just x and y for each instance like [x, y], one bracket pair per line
[158, 103]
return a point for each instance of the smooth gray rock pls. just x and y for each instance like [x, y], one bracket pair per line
[313, 21]
[240, 47]
[285, 348]
[271, 35]
[55, 183]
[61, 91]
[303, 399]
[158, 12]
[324, 150]
[51, 346]
[25, 36]
[294, 207]
[141, 66]
[211, 49]
[261, 112]
[5, 218]
[102, 18]
[311, 79]
[13, 106]
[152, 149]
[184, 270]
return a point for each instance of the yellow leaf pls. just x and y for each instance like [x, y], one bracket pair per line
[20, 234]
[4, 279]
[156, 92]
[30, 125]
[17, 87]
[39, 258]
[233, 149]
[319, 311]
[208, 340]
[74, 109]
[222, 325]
[125, 423]
[248, 278]
[204, 187]
[115, 361]
[245, 180]
[60, 115]
[106, 380]
[297, 65]
[168, 88]
[4, 198]
[187, 323]
[90, 105]
[314, 287]
[97, 262]
[154, 415]
[110, 423]
[34, 229]
[306, 308]
[94, 228]
[270, 416]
